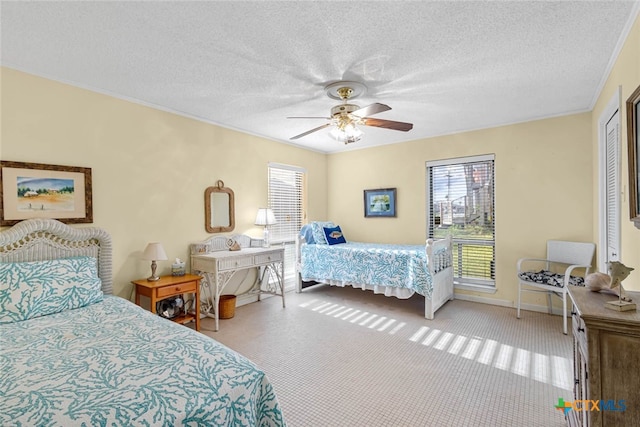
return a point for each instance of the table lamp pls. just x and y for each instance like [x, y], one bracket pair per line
[154, 252]
[265, 217]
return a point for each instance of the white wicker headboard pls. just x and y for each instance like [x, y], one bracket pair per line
[44, 239]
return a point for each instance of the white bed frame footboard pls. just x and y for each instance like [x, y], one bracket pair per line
[440, 263]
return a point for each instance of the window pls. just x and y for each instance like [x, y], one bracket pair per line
[286, 199]
[460, 202]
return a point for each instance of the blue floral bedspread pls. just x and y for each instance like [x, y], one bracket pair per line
[401, 266]
[113, 363]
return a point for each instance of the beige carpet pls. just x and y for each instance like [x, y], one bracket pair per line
[346, 357]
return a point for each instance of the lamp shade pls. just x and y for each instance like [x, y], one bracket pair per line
[154, 252]
[265, 217]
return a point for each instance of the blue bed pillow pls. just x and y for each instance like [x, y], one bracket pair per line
[307, 232]
[334, 235]
[37, 288]
[317, 228]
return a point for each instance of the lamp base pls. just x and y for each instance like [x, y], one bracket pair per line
[620, 305]
[153, 277]
[265, 238]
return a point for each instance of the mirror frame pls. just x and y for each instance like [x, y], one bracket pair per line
[633, 139]
[219, 188]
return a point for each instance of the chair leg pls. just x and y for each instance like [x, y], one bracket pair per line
[518, 308]
[549, 303]
[564, 312]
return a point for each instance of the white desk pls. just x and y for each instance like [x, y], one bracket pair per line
[218, 267]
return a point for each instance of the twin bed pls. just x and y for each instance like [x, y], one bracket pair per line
[392, 270]
[73, 354]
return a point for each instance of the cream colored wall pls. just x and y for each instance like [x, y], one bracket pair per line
[543, 189]
[625, 74]
[150, 168]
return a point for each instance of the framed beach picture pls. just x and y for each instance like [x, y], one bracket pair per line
[35, 190]
[633, 139]
[381, 202]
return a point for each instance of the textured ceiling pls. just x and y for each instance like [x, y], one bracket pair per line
[444, 66]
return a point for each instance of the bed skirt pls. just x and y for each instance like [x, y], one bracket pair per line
[400, 293]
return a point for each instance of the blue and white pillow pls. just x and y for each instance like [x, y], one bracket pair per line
[307, 233]
[334, 235]
[317, 229]
[37, 288]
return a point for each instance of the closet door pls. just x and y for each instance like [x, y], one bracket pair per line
[609, 199]
[612, 188]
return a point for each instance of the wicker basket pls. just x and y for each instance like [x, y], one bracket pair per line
[227, 306]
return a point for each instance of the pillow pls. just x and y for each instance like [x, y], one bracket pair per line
[37, 288]
[334, 235]
[307, 232]
[317, 229]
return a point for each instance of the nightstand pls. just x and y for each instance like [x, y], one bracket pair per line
[171, 286]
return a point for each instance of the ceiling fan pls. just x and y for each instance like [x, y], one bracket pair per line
[346, 117]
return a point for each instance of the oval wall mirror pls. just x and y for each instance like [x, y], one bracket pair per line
[219, 209]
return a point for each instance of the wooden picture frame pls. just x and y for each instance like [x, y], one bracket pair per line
[633, 138]
[219, 209]
[380, 203]
[36, 190]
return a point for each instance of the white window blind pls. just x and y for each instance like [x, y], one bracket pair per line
[460, 202]
[286, 200]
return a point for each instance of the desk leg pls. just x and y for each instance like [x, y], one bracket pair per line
[281, 280]
[273, 288]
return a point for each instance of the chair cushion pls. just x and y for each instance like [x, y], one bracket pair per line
[545, 277]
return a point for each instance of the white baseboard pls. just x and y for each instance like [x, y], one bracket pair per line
[507, 303]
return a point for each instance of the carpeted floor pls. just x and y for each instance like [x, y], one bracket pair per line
[346, 357]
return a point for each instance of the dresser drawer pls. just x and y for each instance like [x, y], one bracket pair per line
[579, 331]
[267, 258]
[182, 288]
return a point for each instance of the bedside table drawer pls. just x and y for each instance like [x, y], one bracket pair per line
[189, 287]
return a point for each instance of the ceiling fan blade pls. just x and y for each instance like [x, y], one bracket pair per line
[311, 131]
[387, 124]
[369, 110]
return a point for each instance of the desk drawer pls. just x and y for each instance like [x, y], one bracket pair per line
[235, 263]
[267, 258]
[188, 287]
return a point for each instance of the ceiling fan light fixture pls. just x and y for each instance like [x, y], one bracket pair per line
[348, 133]
[345, 117]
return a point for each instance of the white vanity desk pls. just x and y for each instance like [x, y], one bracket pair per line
[213, 260]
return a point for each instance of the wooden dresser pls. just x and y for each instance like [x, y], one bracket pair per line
[606, 348]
